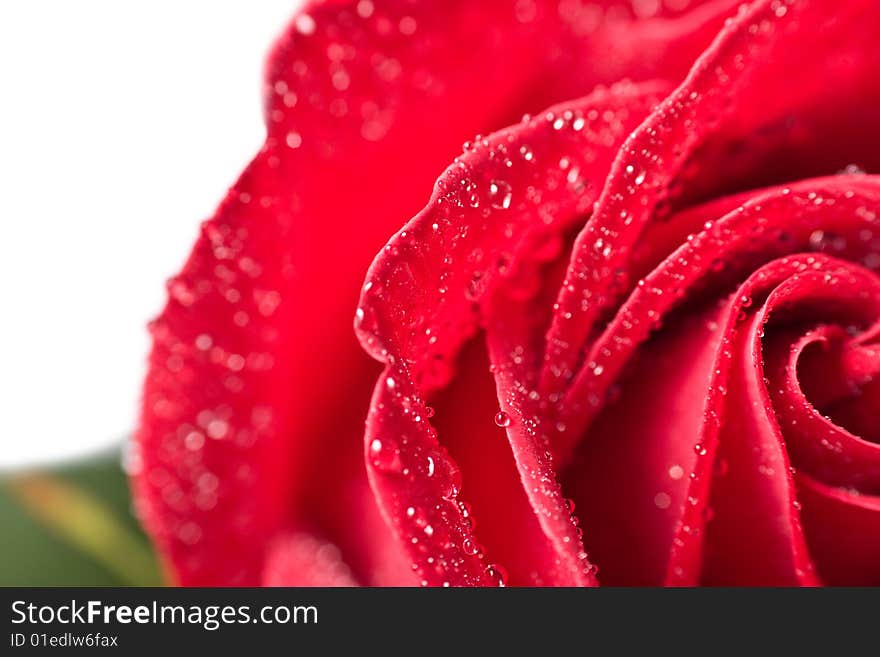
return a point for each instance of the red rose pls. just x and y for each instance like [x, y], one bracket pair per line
[660, 301]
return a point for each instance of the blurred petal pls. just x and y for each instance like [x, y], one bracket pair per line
[304, 560]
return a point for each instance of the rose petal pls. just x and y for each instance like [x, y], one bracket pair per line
[722, 248]
[791, 541]
[642, 480]
[421, 302]
[239, 439]
[625, 442]
[755, 536]
[768, 77]
[631, 478]
[843, 532]
[629, 200]
[820, 446]
[304, 560]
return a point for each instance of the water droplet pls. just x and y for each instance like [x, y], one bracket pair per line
[496, 574]
[217, 429]
[446, 475]
[407, 25]
[305, 24]
[194, 440]
[502, 419]
[700, 450]
[384, 456]
[190, 533]
[499, 194]
[180, 292]
[853, 170]
[676, 472]
[662, 500]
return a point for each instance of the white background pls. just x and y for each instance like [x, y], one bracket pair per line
[121, 126]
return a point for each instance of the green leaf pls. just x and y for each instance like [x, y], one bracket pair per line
[72, 526]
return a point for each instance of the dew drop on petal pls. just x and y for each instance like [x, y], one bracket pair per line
[676, 472]
[217, 429]
[194, 440]
[293, 139]
[499, 194]
[496, 573]
[662, 500]
[502, 419]
[408, 25]
[305, 24]
[853, 170]
[384, 456]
